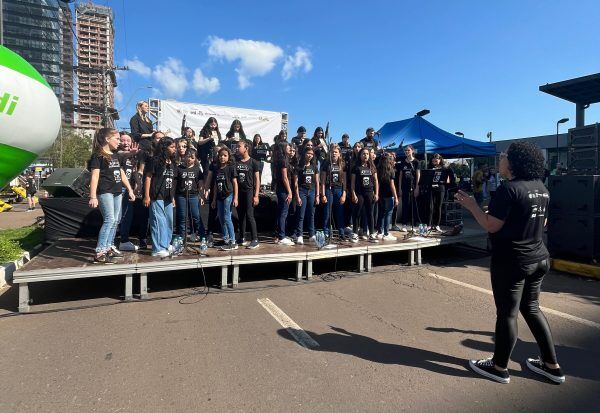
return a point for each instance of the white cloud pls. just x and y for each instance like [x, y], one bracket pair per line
[172, 77]
[118, 97]
[203, 84]
[299, 61]
[256, 58]
[138, 67]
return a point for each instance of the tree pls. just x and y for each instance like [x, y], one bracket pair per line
[71, 149]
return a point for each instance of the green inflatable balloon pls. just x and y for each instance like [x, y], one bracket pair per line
[29, 115]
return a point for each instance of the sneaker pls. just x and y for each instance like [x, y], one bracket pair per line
[286, 241]
[373, 238]
[404, 229]
[114, 252]
[253, 245]
[396, 228]
[364, 237]
[299, 241]
[210, 241]
[354, 237]
[539, 367]
[103, 259]
[194, 238]
[128, 246]
[143, 244]
[438, 229]
[486, 368]
[171, 249]
[246, 243]
[390, 237]
[379, 235]
[233, 246]
[313, 238]
[161, 254]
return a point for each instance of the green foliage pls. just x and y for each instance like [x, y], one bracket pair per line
[13, 242]
[76, 149]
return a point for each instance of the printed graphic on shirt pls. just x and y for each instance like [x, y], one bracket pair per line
[539, 203]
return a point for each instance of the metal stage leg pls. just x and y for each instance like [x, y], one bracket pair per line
[309, 273]
[361, 262]
[143, 286]
[236, 276]
[128, 287]
[23, 298]
[411, 257]
[419, 262]
[224, 271]
[299, 270]
[369, 262]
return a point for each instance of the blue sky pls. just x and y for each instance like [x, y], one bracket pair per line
[476, 65]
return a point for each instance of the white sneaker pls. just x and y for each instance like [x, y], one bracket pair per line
[373, 238]
[128, 246]
[354, 237]
[404, 229]
[379, 235]
[299, 241]
[161, 254]
[286, 241]
[390, 237]
[171, 249]
[313, 238]
[438, 229]
[364, 237]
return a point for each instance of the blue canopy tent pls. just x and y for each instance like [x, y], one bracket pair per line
[427, 138]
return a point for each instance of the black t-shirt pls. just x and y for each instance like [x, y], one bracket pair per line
[306, 176]
[30, 186]
[298, 141]
[245, 174]
[409, 172]
[345, 151]
[278, 166]
[523, 206]
[385, 190]
[188, 179]
[364, 181]
[162, 185]
[232, 144]
[128, 163]
[370, 143]
[334, 175]
[440, 178]
[223, 179]
[260, 152]
[110, 174]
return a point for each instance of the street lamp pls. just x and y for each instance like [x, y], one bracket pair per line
[563, 120]
[423, 112]
[420, 114]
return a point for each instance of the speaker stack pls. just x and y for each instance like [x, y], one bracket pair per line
[584, 150]
[574, 217]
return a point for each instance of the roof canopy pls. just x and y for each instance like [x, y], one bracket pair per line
[423, 135]
[584, 90]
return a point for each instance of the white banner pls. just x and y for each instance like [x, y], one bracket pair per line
[267, 124]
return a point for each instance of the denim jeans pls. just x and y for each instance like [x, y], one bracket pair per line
[161, 224]
[307, 196]
[194, 221]
[282, 212]
[224, 211]
[333, 202]
[126, 217]
[384, 220]
[110, 208]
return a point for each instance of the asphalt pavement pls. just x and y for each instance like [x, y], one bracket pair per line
[396, 339]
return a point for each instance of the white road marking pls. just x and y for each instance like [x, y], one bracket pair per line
[544, 309]
[286, 322]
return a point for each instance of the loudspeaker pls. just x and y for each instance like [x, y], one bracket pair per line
[68, 183]
[574, 236]
[583, 136]
[584, 159]
[574, 194]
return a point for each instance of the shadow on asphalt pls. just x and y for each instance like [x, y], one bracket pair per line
[573, 360]
[367, 348]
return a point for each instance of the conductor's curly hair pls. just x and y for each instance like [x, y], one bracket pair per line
[526, 161]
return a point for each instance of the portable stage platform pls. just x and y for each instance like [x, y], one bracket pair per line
[72, 258]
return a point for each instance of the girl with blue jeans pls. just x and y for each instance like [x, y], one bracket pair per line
[107, 181]
[159, 195]
[333, 191]
[388, 198]
[225, 191]
[307, 194]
